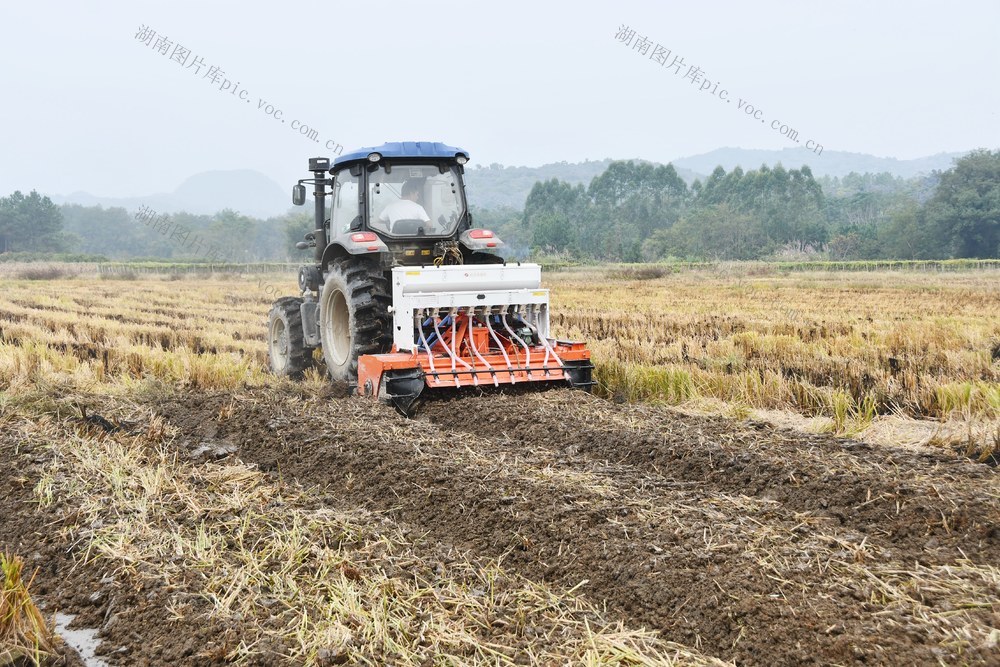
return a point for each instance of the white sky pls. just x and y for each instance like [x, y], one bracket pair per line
[85, 106]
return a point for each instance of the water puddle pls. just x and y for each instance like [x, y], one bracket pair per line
[83, 640]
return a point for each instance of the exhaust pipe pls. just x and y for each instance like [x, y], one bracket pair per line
[319, 166]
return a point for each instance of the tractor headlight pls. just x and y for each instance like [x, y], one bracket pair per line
[374, 157]
[461, 159]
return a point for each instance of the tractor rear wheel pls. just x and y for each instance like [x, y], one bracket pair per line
[353, 316]
[287, 353]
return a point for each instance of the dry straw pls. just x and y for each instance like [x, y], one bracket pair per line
[848, 349]
[24, 634]
[311, 584]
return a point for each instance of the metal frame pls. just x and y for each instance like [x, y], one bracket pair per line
[416, 290]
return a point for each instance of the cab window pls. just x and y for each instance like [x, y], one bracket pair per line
[414, 200]
[346, 204]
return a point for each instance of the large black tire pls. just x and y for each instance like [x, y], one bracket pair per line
[353, 316]
[287, 353]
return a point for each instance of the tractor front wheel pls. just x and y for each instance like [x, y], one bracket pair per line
[353, 316]
[287, 353]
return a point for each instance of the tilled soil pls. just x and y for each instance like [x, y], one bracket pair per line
[749, 544]
[132, 618]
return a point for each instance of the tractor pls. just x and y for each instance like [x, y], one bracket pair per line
[405, 293]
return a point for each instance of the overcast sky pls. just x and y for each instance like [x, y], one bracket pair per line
[87, 106]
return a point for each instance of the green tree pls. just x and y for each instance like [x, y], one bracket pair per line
[110, 232]
[965, 208]
[908, 235]
[296, 225]
[234, 234]
[629, 204]
[777, 208]
[871, 216]
[555, 212]
[551, 232]
[31, 223]
[712, 232]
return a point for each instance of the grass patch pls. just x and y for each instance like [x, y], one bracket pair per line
[46, 273]
[635, 382]
[121, 275]
[640, 272]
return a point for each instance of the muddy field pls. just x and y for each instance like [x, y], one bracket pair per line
[190, 508]
[732, 540]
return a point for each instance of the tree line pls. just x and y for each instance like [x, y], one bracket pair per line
[638, 211]
[34, 224]
[631, 212]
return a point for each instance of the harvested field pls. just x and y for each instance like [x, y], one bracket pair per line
[197, 511]
[915, 355]
[897, 358]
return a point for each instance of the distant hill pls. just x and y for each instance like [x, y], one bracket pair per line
[830, 163]
[497, 185]
[252, 193]
[246, 191]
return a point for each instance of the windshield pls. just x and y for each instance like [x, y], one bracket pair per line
[414, 200]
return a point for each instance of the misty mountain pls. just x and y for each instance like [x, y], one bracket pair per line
[497, 185]
[830, 163]
[243, 190]
[252, 193]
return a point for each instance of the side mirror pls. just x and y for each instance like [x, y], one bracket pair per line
[310, 241]
[299, 194]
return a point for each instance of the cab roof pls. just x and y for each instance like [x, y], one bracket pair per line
[398, 149]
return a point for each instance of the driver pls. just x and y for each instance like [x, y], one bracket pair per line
[407, 208]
